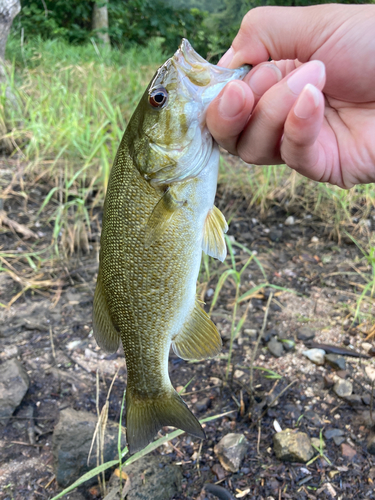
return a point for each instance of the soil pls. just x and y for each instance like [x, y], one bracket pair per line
[319, 281]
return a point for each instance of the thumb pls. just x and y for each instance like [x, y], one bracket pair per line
[284, 33]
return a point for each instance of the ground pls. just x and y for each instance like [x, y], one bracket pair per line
[317, 280]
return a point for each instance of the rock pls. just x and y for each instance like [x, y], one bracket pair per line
[366, 346]
[305, 333]
[343, 388]
[203, 404]
[268, 335]
[366, 399]
[14, 383]
[251, 333]
[75, 496]
[317, 443]
[371, 444]
[347, 451]
[231, 450]
[338, 440]
[328, 381]
[292, 446]
[149, 478]
[332, 432]
[275, 235]
[275, 347]
[315, 355]
[337, 362]
[290, 221]
[288, 344]
[314, 239]
[71, 442]
[10, 351]
[354, 400]
[314, 418]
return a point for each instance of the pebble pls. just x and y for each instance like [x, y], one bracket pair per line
[10, 351]
[371, 444]
[203, 404]
[251, 332]
[337, 362]
[290, 221]
[347, 451]
[314, 239]
[231, 450]
[288, 344]
[318, 443]
[332, 432]
[343, 388]
[292, 446]
[338, 440]
[366, 346]
[14, 383]
[269, 334]
[315, 355]
[305, 333]
[275, 235]
[275, 347]
[314, 418]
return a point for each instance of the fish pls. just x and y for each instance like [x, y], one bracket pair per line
[158, 216]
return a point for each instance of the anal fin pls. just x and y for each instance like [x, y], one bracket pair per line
[106, 335]
[213, 243]
[161, 217]
[199, 338]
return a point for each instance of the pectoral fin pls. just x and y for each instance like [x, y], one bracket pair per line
[161, 217]
[199, 338]
[213, 243]
[106, 335]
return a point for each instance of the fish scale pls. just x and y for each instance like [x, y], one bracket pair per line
[158, 216]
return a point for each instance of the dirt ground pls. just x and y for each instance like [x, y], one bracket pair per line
[320, 280]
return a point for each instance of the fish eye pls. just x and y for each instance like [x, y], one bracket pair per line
[158, 97]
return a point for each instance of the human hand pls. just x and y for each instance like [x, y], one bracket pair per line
[279, 113]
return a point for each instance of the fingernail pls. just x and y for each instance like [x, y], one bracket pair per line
[226, 59]
[307, 102]
[232, 101]
[264, 77]
[312, 72]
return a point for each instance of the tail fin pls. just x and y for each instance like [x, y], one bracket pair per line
[145, 418]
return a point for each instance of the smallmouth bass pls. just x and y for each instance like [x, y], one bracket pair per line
[159, 215]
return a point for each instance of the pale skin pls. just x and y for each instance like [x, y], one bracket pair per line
[313, 106]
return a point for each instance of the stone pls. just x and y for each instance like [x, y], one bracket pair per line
[292, 446]
[371, 444]
[10, 351]
[338, 440]
[14, 383]
[275, 347]
[305, 333]
[251, 333]
[315, 355]
[366, 346]
[347, 451]
[149, 478]
[314, 418]
[343, 388]
[290, 221]
[354, 400]
[268, 335]
[337, 362]
[231, 450]
[288, 344]
[318, 443]
[332, 432]
[275, 235]
[71, 443]
[203, 404]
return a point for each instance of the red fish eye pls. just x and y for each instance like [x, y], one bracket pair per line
[158, 98]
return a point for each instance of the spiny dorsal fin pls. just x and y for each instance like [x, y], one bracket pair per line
[144, 418]
[199, 338]
[213, 243]
[106, 335]
[161, 217]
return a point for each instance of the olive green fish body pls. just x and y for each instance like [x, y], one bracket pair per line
[158, 216]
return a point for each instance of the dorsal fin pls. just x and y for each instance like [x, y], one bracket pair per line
[199, 338]
[215, 226]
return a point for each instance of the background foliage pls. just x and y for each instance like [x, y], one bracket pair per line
[210, 25]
